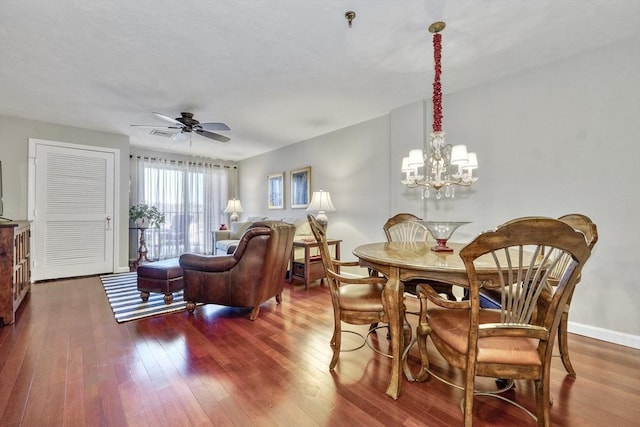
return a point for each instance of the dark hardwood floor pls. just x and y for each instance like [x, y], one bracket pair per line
[66, 362]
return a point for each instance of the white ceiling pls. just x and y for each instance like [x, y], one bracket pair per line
[277, 72]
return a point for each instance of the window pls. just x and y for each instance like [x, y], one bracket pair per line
[192, 197]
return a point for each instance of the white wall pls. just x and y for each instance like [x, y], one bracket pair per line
[557, 139]
[14, 148]
[408, 129]
[560, 139]
[351, 163]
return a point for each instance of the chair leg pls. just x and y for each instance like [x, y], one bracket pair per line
[335, 343]
[408, 343]
[468, 399]
[422, 333]
[406, 331]
[278, 298]
[254, 313]
[373, 273]
[543, 401]
[564, 345]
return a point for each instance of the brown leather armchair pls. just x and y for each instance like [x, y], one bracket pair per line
[251, 275]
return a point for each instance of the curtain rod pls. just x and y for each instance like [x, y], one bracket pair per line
[188, 162]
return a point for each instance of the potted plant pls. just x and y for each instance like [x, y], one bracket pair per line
[145, 216]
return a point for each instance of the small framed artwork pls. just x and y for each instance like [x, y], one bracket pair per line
[275, 191]
[300, 187]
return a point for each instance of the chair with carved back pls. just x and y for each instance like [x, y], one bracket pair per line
[356, 300]
[585, 225]
[405, 227]
[516, 340]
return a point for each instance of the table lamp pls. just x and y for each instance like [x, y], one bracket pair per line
[233, 207]
[321, 203]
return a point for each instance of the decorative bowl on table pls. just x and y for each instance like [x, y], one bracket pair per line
[442, 231]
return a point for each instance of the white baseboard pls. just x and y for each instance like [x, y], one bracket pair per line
[607, 335]
[122, 270]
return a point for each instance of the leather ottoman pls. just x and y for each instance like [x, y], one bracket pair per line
[163, 277]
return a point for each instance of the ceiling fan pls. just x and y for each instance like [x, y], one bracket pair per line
[187, 124]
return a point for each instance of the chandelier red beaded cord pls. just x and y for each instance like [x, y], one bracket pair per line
[440, 156]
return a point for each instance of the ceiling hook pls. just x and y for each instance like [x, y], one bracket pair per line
[350, 15]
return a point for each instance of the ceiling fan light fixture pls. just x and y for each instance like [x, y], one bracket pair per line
[180, 137]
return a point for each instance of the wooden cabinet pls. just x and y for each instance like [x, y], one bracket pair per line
[15, 267]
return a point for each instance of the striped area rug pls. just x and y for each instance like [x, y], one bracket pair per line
[125, 301]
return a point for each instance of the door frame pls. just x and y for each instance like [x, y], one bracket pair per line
[31, 192]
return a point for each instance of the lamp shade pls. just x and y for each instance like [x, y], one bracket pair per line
[459, 155]
[405, 165]
[233, 206]
[321, 202]
[416, 159]
[473, 161]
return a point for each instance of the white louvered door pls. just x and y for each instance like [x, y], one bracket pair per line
[73, 227]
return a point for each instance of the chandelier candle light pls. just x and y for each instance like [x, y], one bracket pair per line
[440, 157]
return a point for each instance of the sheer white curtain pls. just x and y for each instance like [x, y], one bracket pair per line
[192, 196]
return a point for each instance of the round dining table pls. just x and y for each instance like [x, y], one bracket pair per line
[399, 262]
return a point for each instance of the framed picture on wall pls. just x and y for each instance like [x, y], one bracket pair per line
[275, 191]
[300, 187]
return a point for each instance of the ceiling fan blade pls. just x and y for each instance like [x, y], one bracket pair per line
[156, 126]
[214, 126]
[168, 119]
[211, 135]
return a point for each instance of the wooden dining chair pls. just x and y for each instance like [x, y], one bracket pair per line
[584, 224]
[403, 227]
[516, 340]
[356, 300]
[580, 223]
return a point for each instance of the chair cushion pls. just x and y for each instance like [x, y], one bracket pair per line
[361, 297]
[452, 327]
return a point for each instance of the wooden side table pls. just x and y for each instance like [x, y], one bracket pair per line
[310, 267]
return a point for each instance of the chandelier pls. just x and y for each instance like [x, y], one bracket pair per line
[443, 166]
